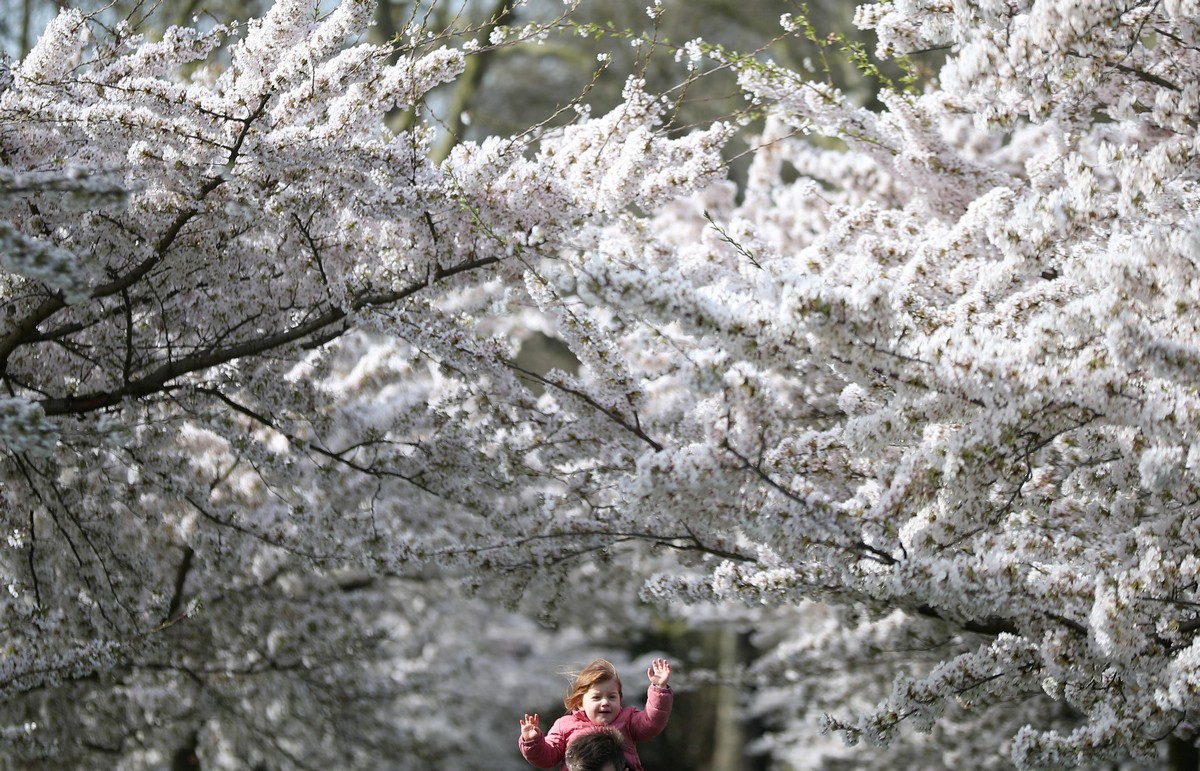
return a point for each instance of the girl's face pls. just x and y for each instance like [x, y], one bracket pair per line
[602, 702]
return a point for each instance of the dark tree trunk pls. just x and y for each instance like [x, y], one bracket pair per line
[1182, 755]
[185, 758]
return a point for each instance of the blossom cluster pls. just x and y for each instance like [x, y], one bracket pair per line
[949, 370]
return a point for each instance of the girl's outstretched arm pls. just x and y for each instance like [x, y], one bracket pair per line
[541, 751]
[649, 723]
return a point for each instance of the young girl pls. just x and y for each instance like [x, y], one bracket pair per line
[594, 701]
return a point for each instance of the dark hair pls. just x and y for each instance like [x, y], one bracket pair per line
[595, 750]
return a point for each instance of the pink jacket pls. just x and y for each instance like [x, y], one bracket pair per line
[637, 726]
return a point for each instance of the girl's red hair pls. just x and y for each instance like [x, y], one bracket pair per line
[596, 672]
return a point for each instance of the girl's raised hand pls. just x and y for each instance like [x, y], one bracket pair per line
[659, 672]
[529, 727]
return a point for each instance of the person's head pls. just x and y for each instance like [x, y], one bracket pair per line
[602, 750]
[597, 691]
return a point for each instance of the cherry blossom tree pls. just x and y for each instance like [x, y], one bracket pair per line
[242, 469]
[942, 378]
[920, 394]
